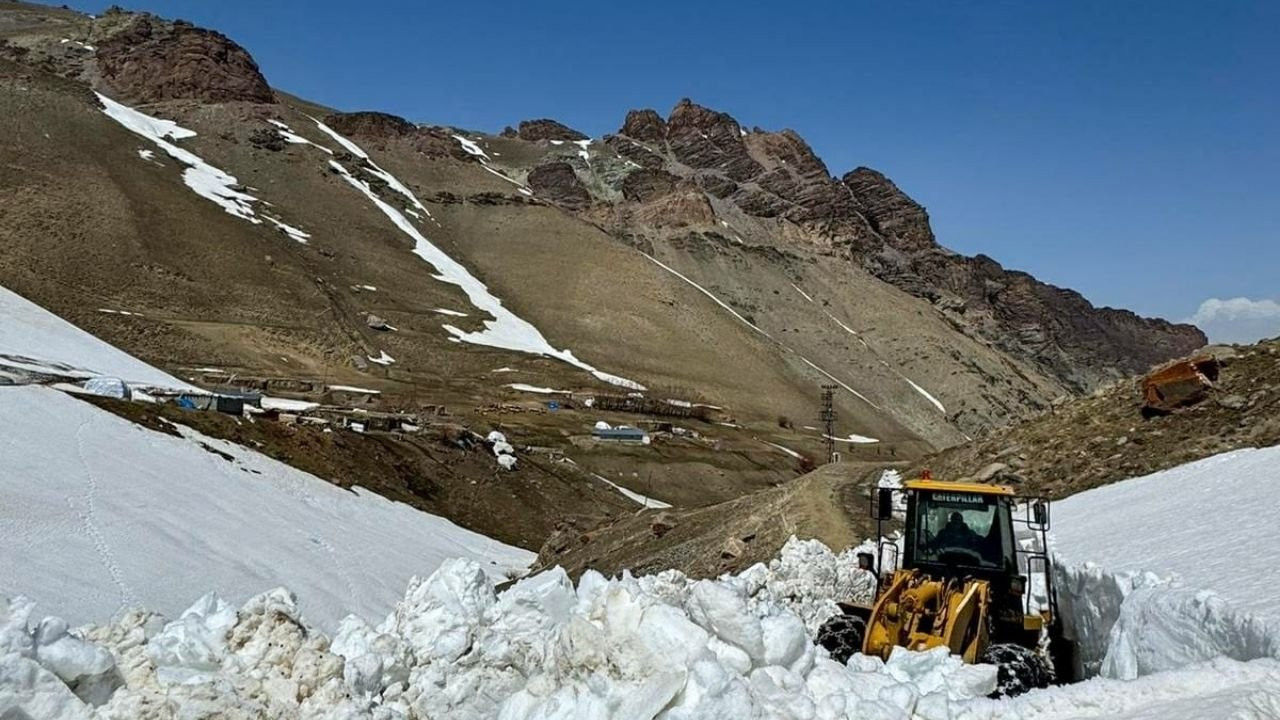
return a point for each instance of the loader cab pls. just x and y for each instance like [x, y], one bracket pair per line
[959, 530]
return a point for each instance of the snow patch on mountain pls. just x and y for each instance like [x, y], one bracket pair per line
[205, 180]
[505, 330]
[642, 500]
[933, 400]
[708, 293]
[372, 168]
[291, 137]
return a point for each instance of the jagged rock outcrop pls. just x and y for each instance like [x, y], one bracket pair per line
[1056, 328]
[150, 60]
[546, 129]
[370, 124]
[635, 152]
[705, 139]
[644, 125]
[646, 185]
[901, 220]
[556, 181]
[432, 142]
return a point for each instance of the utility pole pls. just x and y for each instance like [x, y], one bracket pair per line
[828, 418]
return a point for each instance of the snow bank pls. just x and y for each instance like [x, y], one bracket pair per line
[101, 514]
[660, 647]
[637, 648]
[1179, 574]
[33, 338]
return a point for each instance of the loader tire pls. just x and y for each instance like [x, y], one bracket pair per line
[1019, 669]
[842, 636]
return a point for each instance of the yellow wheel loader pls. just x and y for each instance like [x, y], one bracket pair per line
[961, 583]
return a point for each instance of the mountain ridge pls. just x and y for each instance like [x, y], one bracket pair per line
[655, 253]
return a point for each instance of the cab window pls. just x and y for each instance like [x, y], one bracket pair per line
[967, 529]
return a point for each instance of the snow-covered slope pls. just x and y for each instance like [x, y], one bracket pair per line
[1195, 521]
[1180, 565]
[101, 514]
[36, 339]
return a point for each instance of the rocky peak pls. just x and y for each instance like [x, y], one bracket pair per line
[708, 140]
[903, 222]
[547, 129]
[644, 125]
[150, 60]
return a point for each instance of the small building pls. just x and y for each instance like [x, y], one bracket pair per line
[234, 403]
[621, 434]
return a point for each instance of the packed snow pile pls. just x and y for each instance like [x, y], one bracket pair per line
[1181, 566]
[660, 647]
[502, 450]
[636, 648]
[100, 514]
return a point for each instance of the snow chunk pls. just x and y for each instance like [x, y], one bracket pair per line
[839, 382]
[382, 359]
[784, 449]
[502, 450]
[352, 388]
[451, 313]
[292, 137]
[708, 293]
[371, 167]
[287, 405]
[289, 230]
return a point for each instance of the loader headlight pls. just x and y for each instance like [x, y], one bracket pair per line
[1018, 585]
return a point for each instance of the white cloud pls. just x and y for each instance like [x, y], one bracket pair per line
[1238, 320]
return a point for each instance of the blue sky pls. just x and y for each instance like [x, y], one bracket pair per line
[1129, 150]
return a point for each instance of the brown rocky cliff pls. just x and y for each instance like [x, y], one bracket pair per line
[151, 60]
[1056, 328]
[544, 129]
[777, 175]
[558, 182]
